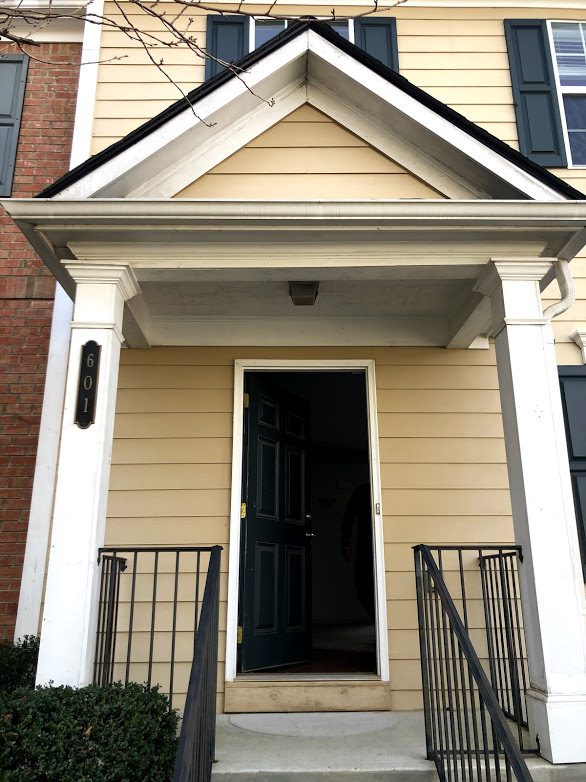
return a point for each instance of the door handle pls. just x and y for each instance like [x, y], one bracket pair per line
[310, 535]
[308, 516]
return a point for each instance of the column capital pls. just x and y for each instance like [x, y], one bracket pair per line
[499, 270]
[117, 274]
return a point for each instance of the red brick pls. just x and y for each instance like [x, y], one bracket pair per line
[26, 293]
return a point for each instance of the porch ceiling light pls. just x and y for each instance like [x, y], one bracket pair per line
[303, 293]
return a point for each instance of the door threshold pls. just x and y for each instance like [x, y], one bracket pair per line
[303, 677]
[294, 693]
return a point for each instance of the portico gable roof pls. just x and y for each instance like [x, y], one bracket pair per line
[310, 63]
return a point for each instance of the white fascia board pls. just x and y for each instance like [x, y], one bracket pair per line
[209, 109]
[47, 212]
[86, 89]
[364, 78]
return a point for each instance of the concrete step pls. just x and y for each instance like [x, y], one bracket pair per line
[344, 746]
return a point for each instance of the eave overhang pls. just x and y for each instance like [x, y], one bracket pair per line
[134, 231]
[397, 272]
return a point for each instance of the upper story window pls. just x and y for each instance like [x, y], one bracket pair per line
[569, 47]
[262, 30]
[229, 38]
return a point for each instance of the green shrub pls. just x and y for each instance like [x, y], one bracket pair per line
[18, 663]
[94, 734]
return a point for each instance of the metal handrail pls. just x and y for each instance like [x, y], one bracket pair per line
[467, 734]
[195, 753]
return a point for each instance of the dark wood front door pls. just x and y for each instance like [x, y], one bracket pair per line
[276, 626]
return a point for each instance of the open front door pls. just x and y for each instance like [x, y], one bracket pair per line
[276, 626]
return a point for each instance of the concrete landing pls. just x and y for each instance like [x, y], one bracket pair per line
[345, 746]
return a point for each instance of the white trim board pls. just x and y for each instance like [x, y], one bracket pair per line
[273, 365]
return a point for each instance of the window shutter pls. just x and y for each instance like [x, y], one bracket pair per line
[573, 388]
[378, 37]
[13, 68]
[227, 38]
[536, 102]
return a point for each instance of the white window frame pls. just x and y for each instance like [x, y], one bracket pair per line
[252, 27]
[560, 90]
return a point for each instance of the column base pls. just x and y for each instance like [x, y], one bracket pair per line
[560, 723]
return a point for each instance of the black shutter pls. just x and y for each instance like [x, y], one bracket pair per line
[378, 37]
[227, 39]
[534, 90]
[573, 388]
[13, 68]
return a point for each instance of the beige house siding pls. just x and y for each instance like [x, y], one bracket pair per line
[307, 154]
[457, 54]
[442, 465]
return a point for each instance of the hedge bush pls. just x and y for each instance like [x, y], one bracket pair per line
[18, 663]
[93, 734]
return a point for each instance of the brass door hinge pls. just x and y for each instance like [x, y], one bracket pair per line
[243, 510]
[246, 400]
[239, 635]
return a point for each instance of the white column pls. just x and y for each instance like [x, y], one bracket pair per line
[543, 508]
[71, 595]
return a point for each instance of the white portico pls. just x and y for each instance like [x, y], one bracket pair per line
[434, 295]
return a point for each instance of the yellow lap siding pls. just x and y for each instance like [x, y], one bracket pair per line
[308, 155]
[443, 471]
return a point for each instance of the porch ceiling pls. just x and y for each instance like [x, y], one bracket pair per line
[213, 272]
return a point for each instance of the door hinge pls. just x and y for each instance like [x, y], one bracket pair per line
[243, 510]
[239, 635]
[246, 400]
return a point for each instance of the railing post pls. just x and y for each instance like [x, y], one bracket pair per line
[419, 576]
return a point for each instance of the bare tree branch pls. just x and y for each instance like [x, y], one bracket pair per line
[18, 23]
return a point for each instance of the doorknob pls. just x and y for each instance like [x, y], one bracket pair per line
[310, 535]
[308, 516]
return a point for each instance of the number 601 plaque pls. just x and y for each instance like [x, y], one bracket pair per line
[88, 382]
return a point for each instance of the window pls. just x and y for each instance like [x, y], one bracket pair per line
[262, 30]
[13, 68]
[569, 45]
[230, 38]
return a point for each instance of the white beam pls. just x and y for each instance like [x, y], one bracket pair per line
[71, 596]
[471, 320]
[543, 511]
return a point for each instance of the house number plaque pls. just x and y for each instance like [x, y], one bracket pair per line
[88, 382]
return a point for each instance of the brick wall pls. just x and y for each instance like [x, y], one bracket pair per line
[26, 303]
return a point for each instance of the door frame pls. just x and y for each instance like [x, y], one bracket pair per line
[295, 365]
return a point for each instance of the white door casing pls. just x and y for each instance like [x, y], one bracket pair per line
[240, 366]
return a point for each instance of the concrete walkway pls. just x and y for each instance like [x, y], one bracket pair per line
[345, 746]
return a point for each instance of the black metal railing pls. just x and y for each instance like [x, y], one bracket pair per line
[195, 753]
[504, 634]
[467, 733]
[149, 615]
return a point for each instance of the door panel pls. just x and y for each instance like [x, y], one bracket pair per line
[276, 628]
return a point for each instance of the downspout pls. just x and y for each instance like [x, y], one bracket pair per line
[567, 289]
